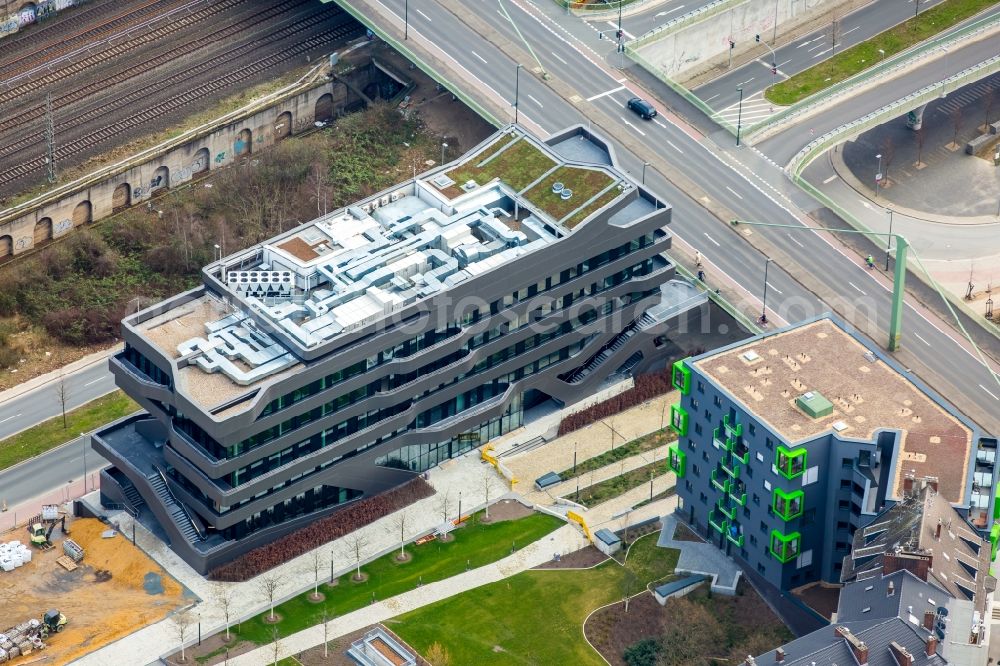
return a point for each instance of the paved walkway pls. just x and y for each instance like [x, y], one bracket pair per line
[568, 488]
[699, 557]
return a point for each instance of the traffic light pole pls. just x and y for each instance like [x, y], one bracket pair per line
[899, 277]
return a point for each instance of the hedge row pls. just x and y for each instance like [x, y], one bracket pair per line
[335, 526]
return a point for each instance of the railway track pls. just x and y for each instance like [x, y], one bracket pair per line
[109, 131]
[126, 19]
[146, 66]
[115, 50]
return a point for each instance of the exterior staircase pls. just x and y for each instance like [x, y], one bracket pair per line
[177, 513]
[609, 349]
[133, 497]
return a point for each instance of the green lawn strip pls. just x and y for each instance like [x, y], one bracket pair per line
[669, 492]
[535, 617]
[584, 183]
[50, 434]
[859, 57]
[518, 166]
[639, 445]
[598, 203]
[475, 545]
[618, 485]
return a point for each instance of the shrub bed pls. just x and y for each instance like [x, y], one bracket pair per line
[301, 541]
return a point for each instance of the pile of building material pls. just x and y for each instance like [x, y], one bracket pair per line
[13, 554]
[21, 640]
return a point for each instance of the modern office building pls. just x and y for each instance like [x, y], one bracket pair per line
[345, 356]
[793, 441]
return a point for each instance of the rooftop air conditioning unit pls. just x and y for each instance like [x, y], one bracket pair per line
[366, 208]
[394, 196]
[385, 200]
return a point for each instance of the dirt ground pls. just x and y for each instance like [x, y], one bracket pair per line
[821, 599]
[40, 353]
[579, 559]
[138, 593]
[508, 510]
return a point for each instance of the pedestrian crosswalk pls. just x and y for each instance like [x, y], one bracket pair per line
[755, 109]
[969, 95]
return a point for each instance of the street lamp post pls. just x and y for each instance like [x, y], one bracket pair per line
[888, 242]
[517, 89]
[644, 165]
[406, 19]
[83, 438]
[878, 173]
[774, 35]
[444, 147]
[763, 311]
[739, 116]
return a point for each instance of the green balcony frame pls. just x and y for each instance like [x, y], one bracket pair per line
[718, 441]
[730, 468]
[996, 504]
[791, 463]
[783, 504]
[717, 525]
[721, 487]
[739, 539]
[785, 547]
[737, 495]
[745, 458]
[994, 538]
[732, 429]
[677, 460]
[680, 377]
[679, 420]
[728, 512]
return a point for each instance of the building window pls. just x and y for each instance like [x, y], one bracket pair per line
[753, 539]
[785, 547]
[790, 462]
[846, 463]
[763, 527]
[845, 484]
[752, 429]
[694, 468]
[717, 401]
[694, 403]
[842, 525]
[843, 505]
[769, 444]
[704, 456]
[701, 387]
[761, 570]
[788, 505]
[697, 428]
[746, 512]
[703, 498]
[756, 499]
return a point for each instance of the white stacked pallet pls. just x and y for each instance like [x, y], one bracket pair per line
[14, 554]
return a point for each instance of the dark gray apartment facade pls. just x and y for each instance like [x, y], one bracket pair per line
[344, 357]
[793, 441]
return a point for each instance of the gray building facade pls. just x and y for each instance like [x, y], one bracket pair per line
[342, 358]
[792, 441]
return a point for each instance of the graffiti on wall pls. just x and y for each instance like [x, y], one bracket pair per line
[31, 13]
[61, 226]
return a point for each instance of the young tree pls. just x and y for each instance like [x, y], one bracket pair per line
[223, 594]
[317, 562]
[357, 544]
[400, 522]
[834, 35]
[956, 124]
[629, 586]
[444, 505]
[181, 623]
[323, 618]
[920, 136]
[888, 152]
[988, 100]
[489, 488]
[268, 586]
[319, 186]
[275, 644]
[62, 395]
[437, 655]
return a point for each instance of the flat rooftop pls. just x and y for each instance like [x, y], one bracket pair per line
[768, 374]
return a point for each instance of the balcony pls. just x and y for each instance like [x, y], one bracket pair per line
[740, 450]
[790, 463]
[738, 492]
[785, 547]
[735, 535]
[677, 460]
[718, 441]
[729, 512]
[718, 522]
[787, 506]
[732, 429]
[722, 486]
[730, 467]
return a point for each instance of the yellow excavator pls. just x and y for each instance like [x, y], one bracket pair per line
[41, 534]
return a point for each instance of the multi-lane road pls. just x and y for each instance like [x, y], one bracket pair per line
[595, 93]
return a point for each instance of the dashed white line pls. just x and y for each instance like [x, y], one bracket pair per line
[851, 30]
[735, 193]
[818, 46]
[632, 126]
[917, 336]
[989, 391]
[661, 125]
[669, 11]
[717, 244]
[858, 288]
[425, 16]
[830, 179]
[536, 101]
[709, 99]
[606, 92]
[771, 286]
[675, 147]
[821, 53]
[480, 57]
[558, 58]
[794, 240]
[10, 417]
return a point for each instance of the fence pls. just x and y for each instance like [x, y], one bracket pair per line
[18, 516]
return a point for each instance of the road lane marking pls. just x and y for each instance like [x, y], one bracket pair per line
[822, 53]
[805, 43]
[989, 391]
[740, 85]
[621, 80]
[771, 286]
[661, 125]
[10, 417]
[558, 58]
[717, 244]
[850, 31]
[624, 31]
[917, 336]
[480, 57]
[709, 99]
[738, 195]
[857, 287]
[675, 147]
[536, 101]
[670, 11]
[818, 46]
[632, 126]
[606, 92]
[830, 179]
[93, 381]
[425, 16]
[782, 64]
[794, 240]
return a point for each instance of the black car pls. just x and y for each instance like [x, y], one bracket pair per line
[643, 108]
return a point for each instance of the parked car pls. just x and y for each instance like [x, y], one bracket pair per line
[642, 108]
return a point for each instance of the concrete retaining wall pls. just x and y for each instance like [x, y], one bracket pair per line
[689, 51]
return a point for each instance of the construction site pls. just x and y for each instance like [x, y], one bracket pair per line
[70, 585]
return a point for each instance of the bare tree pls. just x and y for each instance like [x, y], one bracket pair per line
[835, 28]
[319, 184]
[181, 623]
[921, 136]
[956, 124]
[489, 486]
[224, 597]
[317, 561]
[275, 644]
[888, 153]
[400, 522]
[444, 505]
[268, 586]
[988, 100]
[629, 586]
[357, 544]
[62, 395]
[324, 617]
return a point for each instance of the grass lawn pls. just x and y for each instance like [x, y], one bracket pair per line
[585, 183]
[847, 63]
[613, 487]
[669, 492]
[474, 545]
[50, 434]
[640, 445]
[535, 617]
[518, 166]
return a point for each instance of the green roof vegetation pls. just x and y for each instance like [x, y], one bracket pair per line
[584, 183]
[517, 166]
[861, 56]
[597, 204]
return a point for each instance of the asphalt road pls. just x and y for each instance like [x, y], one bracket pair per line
[489, 74]
[659, 13]
[755, 76]
[42, 474]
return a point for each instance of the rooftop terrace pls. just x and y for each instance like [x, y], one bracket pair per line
[768, 375]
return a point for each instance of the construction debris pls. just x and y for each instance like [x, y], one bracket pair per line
[73, 550]
[66, 563]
